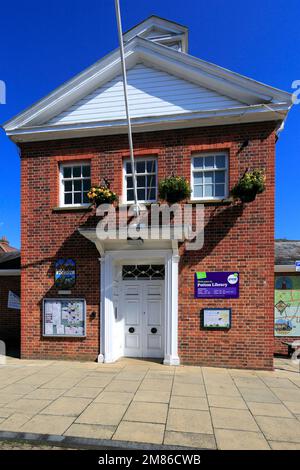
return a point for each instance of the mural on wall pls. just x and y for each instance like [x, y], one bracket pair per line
[287, 306]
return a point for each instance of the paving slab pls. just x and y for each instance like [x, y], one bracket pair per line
[194, 421]
[258, 395]
[123, 386]
[43, 424]
[286, 394]
[118, 398]
[93, 431]
[277, 445]
[231, 419]
[102, 413]
[156, 385]
[199, 441]
[293, 406]
[235, 402]
[14, 422]
[147, 412]
[188, 403]
[188, 390]
[23, 405]
[151, 396]
[140, 432]
[269, 409]
[279, 429]
[67, 406]
[82, 392]
[44, 394]
[240, 440]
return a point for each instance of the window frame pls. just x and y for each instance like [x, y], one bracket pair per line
[226, 169]
[71, 164]
[140, 159]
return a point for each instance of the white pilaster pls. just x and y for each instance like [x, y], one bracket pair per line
[171, 305]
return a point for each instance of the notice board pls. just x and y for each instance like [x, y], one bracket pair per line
[64, 317]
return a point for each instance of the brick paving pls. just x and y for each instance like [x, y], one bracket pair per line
[146, 402]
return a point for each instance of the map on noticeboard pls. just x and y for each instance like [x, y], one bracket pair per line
[287, 312]
[64, 317]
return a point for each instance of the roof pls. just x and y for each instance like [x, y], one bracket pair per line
[287, 252]
[5, 246]
[253, 101]
[10, 260]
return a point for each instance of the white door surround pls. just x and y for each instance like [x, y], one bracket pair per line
[142, 312]
[111, 325]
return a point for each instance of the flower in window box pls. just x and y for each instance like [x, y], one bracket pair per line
[249, 185]
[101, 195]
[174, 189]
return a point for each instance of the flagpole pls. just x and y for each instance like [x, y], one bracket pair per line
[119, 23]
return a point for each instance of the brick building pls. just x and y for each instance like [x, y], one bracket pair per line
[136, 296]
[9, 295]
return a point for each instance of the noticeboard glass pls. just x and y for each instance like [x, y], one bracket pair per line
[64, 317]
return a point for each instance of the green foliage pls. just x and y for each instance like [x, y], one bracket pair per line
[174, 189]
[249, 185]
[101, 195]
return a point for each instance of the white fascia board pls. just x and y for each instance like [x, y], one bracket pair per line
[250, 86]
[247, 114]
[73, 90]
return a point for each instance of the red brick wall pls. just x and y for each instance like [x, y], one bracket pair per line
[236, 238]
[9, 318]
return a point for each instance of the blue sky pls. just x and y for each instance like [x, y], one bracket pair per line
[44, 44]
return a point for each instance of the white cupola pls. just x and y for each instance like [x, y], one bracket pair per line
[161, 31]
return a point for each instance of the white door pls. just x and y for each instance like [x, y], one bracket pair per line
[142, 309]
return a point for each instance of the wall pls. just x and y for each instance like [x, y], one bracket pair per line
[9, 318]
[237, 237]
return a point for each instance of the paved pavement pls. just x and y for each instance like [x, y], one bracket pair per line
[146, 402]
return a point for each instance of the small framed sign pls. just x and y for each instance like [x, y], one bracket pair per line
[64, 317]
[216, 318]
[65, 273]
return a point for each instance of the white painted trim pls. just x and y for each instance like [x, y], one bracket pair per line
[107, 316]
[139, 159]
[63, 165]
[285, 268]
[246, 114]
[193, 169]
[10, 272]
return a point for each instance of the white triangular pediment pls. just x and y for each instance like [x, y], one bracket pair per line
[151, 92]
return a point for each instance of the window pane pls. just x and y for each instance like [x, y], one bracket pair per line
[67, 171]
[198, 178]
[140, 167]
[68, 186]
[76, 171]
[141, 181]
[152, 194]
[130, 195]
[208, 190]
[151, 180]
[129, 182]
[198, 191]
[198, 162]
[85, 198]
[220, 177]
[77, 198]
[209, 177]
[220, 190]
[151, 166]
[220, 161]
[141, 194]
[68, 198]
[128, 168]
[86, 170]
[209, 162]
[86, 184]
[77, 185]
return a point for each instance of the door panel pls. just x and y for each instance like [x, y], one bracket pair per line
[143, 313]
